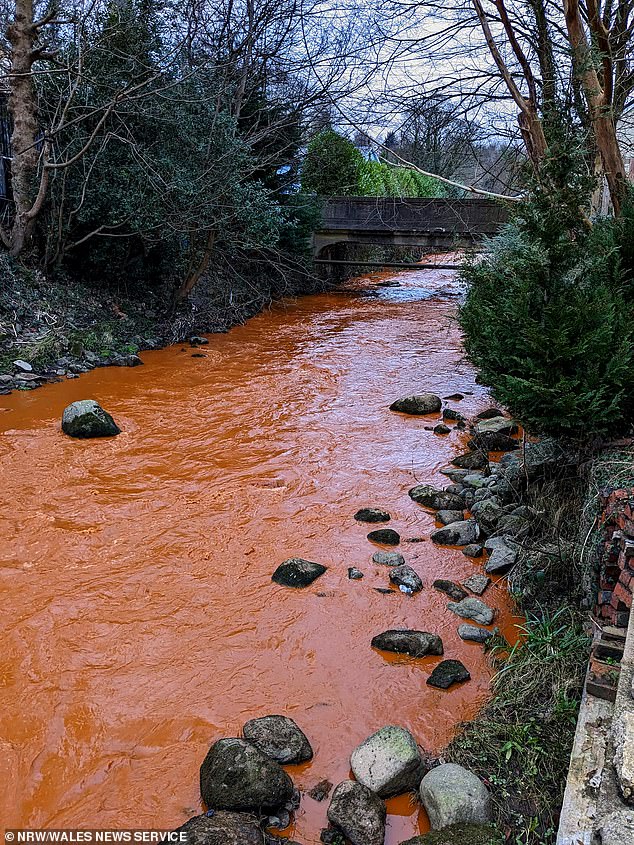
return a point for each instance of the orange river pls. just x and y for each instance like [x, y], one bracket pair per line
[139, 620]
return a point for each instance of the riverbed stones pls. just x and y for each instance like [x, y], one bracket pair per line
[358, 813]
[471, 460]
[441, 428]
[477, 583]
[473, 550]
[407, 641]
[456, 475]
[474, 609]
[372, 515]
[389, 762]
[354, 574]
[235, 775]
[405, 576]
[452, 794]
[447, 517]
[447, 673]
[222, 828]
[22, 366]
[503, 555]
[493, 441]
[385, 536]
[489, 413]
[418, 404]
[450, 588]
[280, 738]
[487, 513]
[432, 497]
[457, 534]
[473, 633]
[623, 736]
[297, 572]
[388, 558]
[496, 425]
[86, 419]
[452, 414]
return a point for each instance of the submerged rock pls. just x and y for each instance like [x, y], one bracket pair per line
[452, 794]
[472, 608]
[388, 762]
[441, 428]
[405, 576]
[454, 591]
[222, 828]
[432, 497]
[385, 536]
[388, 558]
[447, 673]
[457, 534]
[279, 738]
[419, 404]
[296, 572]
[406, 641]
[86, 418]
[235, 775]
[358, 813]
[354, 574]
[372, 515]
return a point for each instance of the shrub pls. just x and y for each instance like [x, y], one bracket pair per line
[333, 166]
[549, 315]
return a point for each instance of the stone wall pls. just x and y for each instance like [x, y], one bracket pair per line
[616, 559]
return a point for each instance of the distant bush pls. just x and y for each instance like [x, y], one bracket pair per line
[333, 166]
[549, 315]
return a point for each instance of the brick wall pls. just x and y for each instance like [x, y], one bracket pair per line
[616, 559]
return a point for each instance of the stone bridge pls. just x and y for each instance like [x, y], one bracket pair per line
[425, 223]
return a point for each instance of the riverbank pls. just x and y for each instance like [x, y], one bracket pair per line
[56, 329]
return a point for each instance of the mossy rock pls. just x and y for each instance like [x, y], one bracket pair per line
[460, 834]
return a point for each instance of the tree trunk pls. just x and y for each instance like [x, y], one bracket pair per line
[23, 110]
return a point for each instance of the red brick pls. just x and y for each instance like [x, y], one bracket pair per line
[623, 595]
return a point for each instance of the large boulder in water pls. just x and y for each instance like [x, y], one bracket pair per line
[388, 762]
[86, 418]
[406, 641]
[452, 794]
[358, 813]
[222, 828]
[296, 572]
[235, 775]
[279, 738]
[418, 405]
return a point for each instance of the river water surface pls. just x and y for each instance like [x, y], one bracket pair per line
[139, 620]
